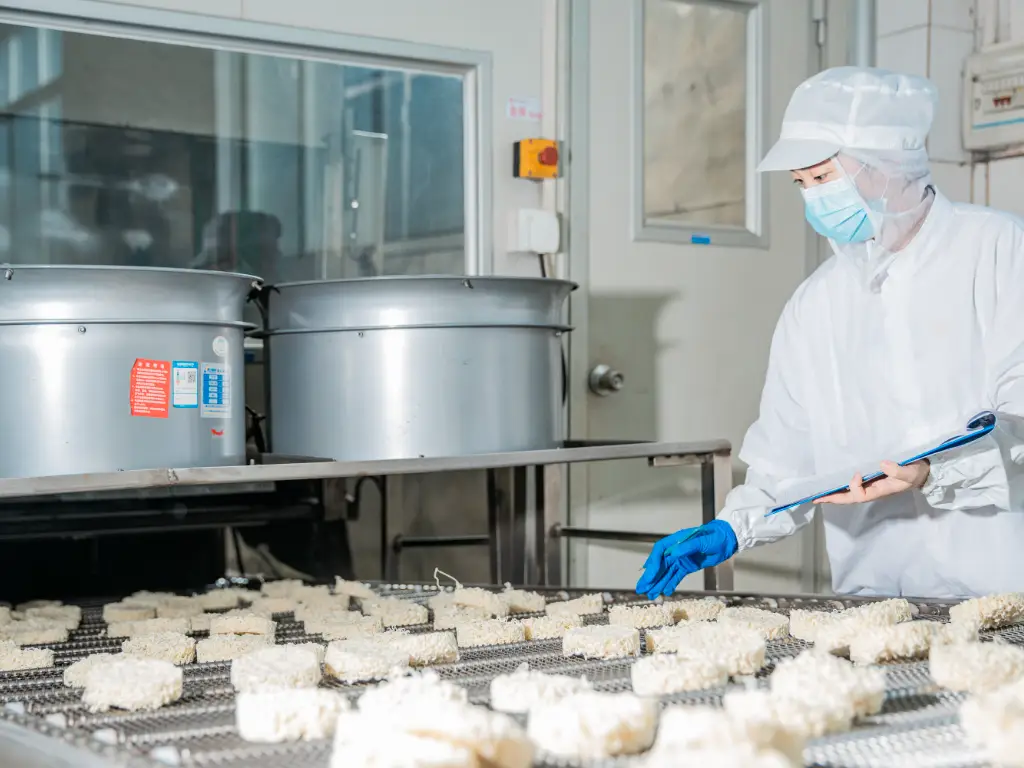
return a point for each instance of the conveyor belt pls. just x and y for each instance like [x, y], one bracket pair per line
[917, 726]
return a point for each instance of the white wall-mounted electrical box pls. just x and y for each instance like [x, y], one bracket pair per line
[993, 114]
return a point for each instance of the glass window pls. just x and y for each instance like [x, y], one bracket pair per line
[128, 152]
[697, 114]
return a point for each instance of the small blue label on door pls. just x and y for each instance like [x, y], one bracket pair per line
[216, 391]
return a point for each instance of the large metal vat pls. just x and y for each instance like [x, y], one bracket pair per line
[111, 368]
[403, 367]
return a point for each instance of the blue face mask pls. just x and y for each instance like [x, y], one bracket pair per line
[837, 211]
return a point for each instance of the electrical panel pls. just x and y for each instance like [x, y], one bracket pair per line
[993, 115]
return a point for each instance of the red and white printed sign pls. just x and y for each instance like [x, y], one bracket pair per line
[523, 109]
[150, 388]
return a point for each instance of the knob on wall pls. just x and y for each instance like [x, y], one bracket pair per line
[605, 380]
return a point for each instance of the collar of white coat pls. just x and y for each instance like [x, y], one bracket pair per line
[916, 253]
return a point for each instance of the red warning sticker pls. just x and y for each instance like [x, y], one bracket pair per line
[150, 388]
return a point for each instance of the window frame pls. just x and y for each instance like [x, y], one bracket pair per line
[240, 36]
[755, 233]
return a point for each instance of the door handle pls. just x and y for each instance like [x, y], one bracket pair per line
[605, 380]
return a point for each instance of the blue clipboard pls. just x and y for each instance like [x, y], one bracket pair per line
[977, 428]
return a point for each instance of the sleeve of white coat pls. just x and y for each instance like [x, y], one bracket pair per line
[990, 472]
[777, 447]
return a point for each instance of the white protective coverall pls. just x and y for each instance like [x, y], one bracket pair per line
[889, 345]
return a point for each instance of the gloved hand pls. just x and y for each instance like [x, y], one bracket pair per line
[682, 553]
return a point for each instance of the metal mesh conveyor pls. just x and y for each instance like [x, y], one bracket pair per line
[917, 726]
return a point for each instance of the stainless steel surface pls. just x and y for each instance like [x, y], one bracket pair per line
[69, 338]
[604, 380]
[917, 726]
[678, 453]
[406, 367]
[863, 33]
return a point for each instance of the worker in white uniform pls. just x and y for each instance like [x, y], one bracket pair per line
[914, 324]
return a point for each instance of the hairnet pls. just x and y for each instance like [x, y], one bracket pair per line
[856, 108]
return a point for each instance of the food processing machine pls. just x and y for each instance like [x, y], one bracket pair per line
[42, 723]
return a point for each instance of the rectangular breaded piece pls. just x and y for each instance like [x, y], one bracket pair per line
[34, 632]
[69, 616]
[581, 606]
[994, 721]
[990, 612]
[520, 691]
[641, 616]
[276, 667]
[416, 689]
[218, 600]
[811, 673]
[906, 641]
[13, 658]
[353, 589]
[742, 651]
[229, 647]
[344, 629]
[268, 606]
[774, 626]
[550, 627]
[805, 625]
[397, 613]
[372, 741]
[490, 632]
[114, 612]
[354, 661]
[75, 673]
[702, 609]
[594, 726]
[663, 674]
[149, 627]
[299, 714]
[174, 647]
[885, 612]
[242, 623]
[323, 604]
[975, 667]
[132, 684]
[449, 617]
[523, 601]
[280, 587]
[601, 641]
[179, 607]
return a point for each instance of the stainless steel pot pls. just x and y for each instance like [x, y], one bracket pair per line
[115, 368]
[403, 367]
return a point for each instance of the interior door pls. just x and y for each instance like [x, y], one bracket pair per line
[689, 256]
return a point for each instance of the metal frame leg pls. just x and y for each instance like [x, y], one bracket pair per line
[721, 576]
[493, 529]
[551, 483]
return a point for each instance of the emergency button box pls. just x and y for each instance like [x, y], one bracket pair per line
[535, 159]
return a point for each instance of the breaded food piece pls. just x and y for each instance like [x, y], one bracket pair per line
[698, 728]
[373, 742]
[490, 632]
[449, 617]
[276, 667]
[113, 612]
[179, 607]
[310, 593]
[641, 616]
[148, 627]
[218, 600]
[352, 589]
[892, 611]
[200, 622]
[496, 604]
[581, 606]
[803, 675]
[355, 661]
[298, 714]
[345, 629]
[994, 721]
[591, 725]
[5, 615]
[397, 613]
[702, 609]
[229, 647]
[75, 673]
[268, 606]
[774, 626]
[316, 649]
[835, 638]
[425, 648]
[516, 693]
[242, 623]
[147, 598]
[323, 605]
[664, 674]
[976, 667]
[550, 627]
[523, 601]
[739, 649]
[23, 607]
[418, 689]
[132, 684]
[601, 641]
[174, 647]
[991, 611]
[34, 632]
[953, 634]
[805, 625]
[280, 587]
[909, 640]
[495, 738]
[69, 616]
[13, 658]
[810, 716]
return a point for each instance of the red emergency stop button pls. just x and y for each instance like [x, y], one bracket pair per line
[548, 156]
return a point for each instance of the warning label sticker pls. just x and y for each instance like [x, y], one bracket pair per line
[216, 396]
[185, 384]
[150, 389]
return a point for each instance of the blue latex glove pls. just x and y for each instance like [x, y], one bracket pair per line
[691, 549]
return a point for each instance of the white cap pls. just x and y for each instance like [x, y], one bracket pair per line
[856, 108]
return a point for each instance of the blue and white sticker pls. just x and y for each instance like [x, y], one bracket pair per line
[216, 391]
[184, 384]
